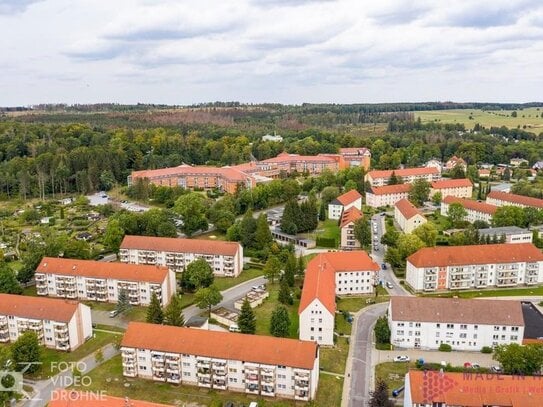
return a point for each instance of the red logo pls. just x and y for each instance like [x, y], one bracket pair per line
[435, 384]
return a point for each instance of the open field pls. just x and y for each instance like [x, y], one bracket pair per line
[531, 118]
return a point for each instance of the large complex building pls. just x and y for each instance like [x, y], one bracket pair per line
[225, 258]
[59, 324]
[448, 389]
[356, 157]
[346, 227]
[343, 202]
[512, 234]
[387, 195]
[103, 281]
[460, 188]
[252, 364]
[475, 210]
[475, 267]
[328, 275]
[408, 216]
[499, 198]
[464, 324]
[378, 178]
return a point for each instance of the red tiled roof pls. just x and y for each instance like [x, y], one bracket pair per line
[391, 189]
[442, 256]
[455, 310]
[471, 204]
[319, 281]
[172, 244]
[349, 197]
[407, 209]
[517, 199]
[100, 269]
[474, 390]
[451, 183]
[229, 173]
[72, 398]
[292, 158]
[37, 307]
[222, 345]
[403, 172]
[350, 215]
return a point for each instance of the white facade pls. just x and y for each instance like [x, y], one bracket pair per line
[348, 240]
[336, 208]
[408, 175]
[472, 214]
[379, 200]
[408, 225]
[317, 324]
[512, 235]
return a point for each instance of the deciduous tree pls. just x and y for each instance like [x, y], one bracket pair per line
[272, 268]
[26, 352]
[206, 298]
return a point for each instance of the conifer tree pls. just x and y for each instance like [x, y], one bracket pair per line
[246, 319]
[154, 312]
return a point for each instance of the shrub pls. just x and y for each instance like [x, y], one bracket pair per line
[445, 347]
[486, 349]
[326, 242]
[383, 346]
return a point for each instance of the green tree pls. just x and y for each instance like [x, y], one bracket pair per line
[263, 236]
[390, 237]
[192, 208]
[514, 113]
[173, 314]
[285, 295]
[507, 174]
[427, 232]
[394, 179]
[8, 281]
[436, 198]
[419, 192]
[123, 302]
[456, 213]
[272, 268]
[247, 319]
[328, 194]
[517, 359]
[362, 232]
[26, 352]
[290, 269]
[206, 298]
[247, 229]
[322, 211]
[291, 217]
[509, 215]
[154, 311]
[380, 396]
[300, 270]
[113, 235]
[107, 180]
[457, 172]
[197, 274]
[350, 185]
[280, 322]
[382, 330]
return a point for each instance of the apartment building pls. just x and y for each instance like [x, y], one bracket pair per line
[464, 324]
[378, 178]
[59, 324]
[459, 188]
[343, 202]
[513, 234]
[475, 210]
[474, 267]
[103, 281]
[408, 216]
[387, 195]
[499, 198]
[346, 227]
[328, 275]
[251, 364]
[455, 161]
[356, 157]
[224, 258]
[453, 389]
[312, 164]
[72, 398]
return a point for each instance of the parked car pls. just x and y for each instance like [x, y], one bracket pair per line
[468, 365]
[402, 358]
[475, 366]
[234, 328]
[496, 369]
[384, 266]
[113, 314]
[389, 284]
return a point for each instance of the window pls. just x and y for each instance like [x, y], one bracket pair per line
[514, 337]
[450, 326]
[514, 328]
[462, 326]
[438, 325]
[437, 334]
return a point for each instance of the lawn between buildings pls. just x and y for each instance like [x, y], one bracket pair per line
[504, 292]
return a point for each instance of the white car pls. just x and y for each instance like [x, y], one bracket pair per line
[402, 358]
[389, 284]
[496, 369]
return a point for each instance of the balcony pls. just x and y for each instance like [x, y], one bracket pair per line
[203, 364]
[129, 371]
[173, 378]
[61, 329]
[159, 376]
[4, 328]
[4, 337]
[64, 346]
[219, 384]
[204, 382]
[41, 290]
[252, 388]
[129, 362]
[301, 395]
[268, 391]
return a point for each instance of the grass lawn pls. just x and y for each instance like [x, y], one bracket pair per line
[441, 222]
[30, 291]
[392, 373]
[329, 391]
[506, 292]
[224, 283]
[334, 359]
[264, 311]
[353, 304]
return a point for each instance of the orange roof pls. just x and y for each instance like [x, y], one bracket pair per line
[474, 390]
[37, 307]
[319, 281]
[176, 245]
[72, 398]
[471, 204]
[455, 310]
[348, 197]
[516, 199]
[391, 189]
[442, 256]
[293, 158]
[350, 215]
[403, 172]
[451, 183]
[101, 269]
[407, 209]
[229, 173]
[221, 345]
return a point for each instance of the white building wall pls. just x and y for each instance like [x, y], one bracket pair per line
[471, 216]
[317, 324]
[376, 201]
[334, 211]
[355, 282]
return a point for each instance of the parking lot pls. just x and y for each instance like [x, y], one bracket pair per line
[429, 356]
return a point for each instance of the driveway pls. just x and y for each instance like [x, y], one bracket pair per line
[432, 356]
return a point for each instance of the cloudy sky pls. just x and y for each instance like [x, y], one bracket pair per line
[288, 51]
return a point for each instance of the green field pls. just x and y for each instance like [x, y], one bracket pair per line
[531, 118]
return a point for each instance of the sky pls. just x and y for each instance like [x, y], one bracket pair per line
[280, 51]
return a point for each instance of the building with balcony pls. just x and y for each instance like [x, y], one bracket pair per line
[474, 267]
[346, 227]
[343, 202]
[387, 195]
[328, 275]
[103, 281]
[251, 364]
[378, 178]
[408, 216]
[72, 398]
[499, 198]
[224, 258]
[464, 324]
[58, 324]
[475, 210]
[460, 188]
[512, 234]
[356, 157]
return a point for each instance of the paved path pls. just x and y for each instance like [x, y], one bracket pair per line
[44, 388]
